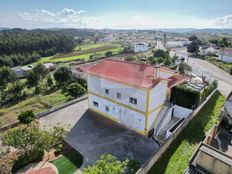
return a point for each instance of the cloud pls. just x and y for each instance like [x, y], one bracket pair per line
[43, 18]
[224, 21]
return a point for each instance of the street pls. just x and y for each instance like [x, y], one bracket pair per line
[203, 67]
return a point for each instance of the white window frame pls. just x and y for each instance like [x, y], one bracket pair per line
[119, 95]
[95, 104]
[107, 91]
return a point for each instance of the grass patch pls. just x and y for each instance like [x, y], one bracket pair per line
[84, 53]
[224, 66]
[176, 158]
[68, 163]
[9, 114]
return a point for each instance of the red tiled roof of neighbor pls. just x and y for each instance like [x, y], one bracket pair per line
[175, 80]
[228, 51]
[46, 170]
[139, 75]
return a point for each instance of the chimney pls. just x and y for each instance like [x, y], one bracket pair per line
[156, 72]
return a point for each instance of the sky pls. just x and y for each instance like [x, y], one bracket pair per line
[116, 14]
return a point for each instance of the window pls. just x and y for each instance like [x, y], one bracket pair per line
[119, 95]
[107, 108]
[107, 91]
[133, 101]
[95, 104]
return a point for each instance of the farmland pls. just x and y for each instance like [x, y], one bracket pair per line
[84, 52]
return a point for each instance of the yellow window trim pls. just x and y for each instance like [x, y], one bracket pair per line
[126, 84]
[147, 110]
[155, 109]
[113, 101]
[115, 120]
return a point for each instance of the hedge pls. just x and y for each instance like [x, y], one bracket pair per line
[190, 98]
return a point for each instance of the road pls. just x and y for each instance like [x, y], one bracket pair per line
[202, 67]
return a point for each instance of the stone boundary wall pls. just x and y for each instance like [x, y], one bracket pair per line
[148, 165]
[46, 112]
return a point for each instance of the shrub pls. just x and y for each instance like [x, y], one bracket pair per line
[26, 116]
[75, 90]
[186, 97]
[207, 91]
[133, 166]
[63, 75]
[131, 58]
[109, 53]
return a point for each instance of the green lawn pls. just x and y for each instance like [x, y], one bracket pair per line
[68, 163]
[224, 66]
[175, 159]
[9, 114]
[84, 53]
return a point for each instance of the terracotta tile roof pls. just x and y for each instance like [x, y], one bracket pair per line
[176, 80]
[46, 170]
[139, 75]
[228, 51]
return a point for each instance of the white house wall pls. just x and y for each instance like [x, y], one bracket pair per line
[165, 74]
[98, 85]
[227, 59]
[140, 48]
[122, 115]
[158, 95]
[152, 117]
[181, 112]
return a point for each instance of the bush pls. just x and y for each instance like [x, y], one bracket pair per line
[26, 116]
[133, 166]
[186, 97]
[109, 53]
[75, 90]
[63, 75]
[131, 58]
[26, 159]
[207, 91]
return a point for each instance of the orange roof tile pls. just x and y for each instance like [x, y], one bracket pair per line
[46, 170]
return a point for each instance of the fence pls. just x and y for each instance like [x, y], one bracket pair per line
[148, 165]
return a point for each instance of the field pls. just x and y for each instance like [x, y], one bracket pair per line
[84, 52]
[176, 158]
[224, 66]
[68, 163]
[37, 104]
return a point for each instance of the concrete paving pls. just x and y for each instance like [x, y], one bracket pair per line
[67, 117]
[94, 135]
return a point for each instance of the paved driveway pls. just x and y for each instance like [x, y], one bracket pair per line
[93, 135]
[65, 117]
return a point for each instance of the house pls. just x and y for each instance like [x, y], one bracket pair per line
[129, 93]
[21, 71]
[50, 66]
[225, 55]
[214, 154]
[141, 47]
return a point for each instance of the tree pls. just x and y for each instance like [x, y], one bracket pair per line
[26, 117]
[63, 75]
[105, 165]
[7, 75]
[31, 141]
[109, 53]
[160, 53]
[40, 70]
[32, 78]
[49, 81]
[75, 90]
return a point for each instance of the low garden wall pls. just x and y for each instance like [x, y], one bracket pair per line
[148, 165]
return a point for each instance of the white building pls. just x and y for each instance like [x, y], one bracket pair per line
[141, 47]
[225, 55]
[129, 93]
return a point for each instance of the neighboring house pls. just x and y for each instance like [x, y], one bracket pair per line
[50, 66]
[214, 154]
[129, 93]
[208, 51]
[21, 71]
[225, 55]
[141, 47]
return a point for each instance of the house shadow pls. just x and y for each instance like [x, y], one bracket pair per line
[94, 135]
